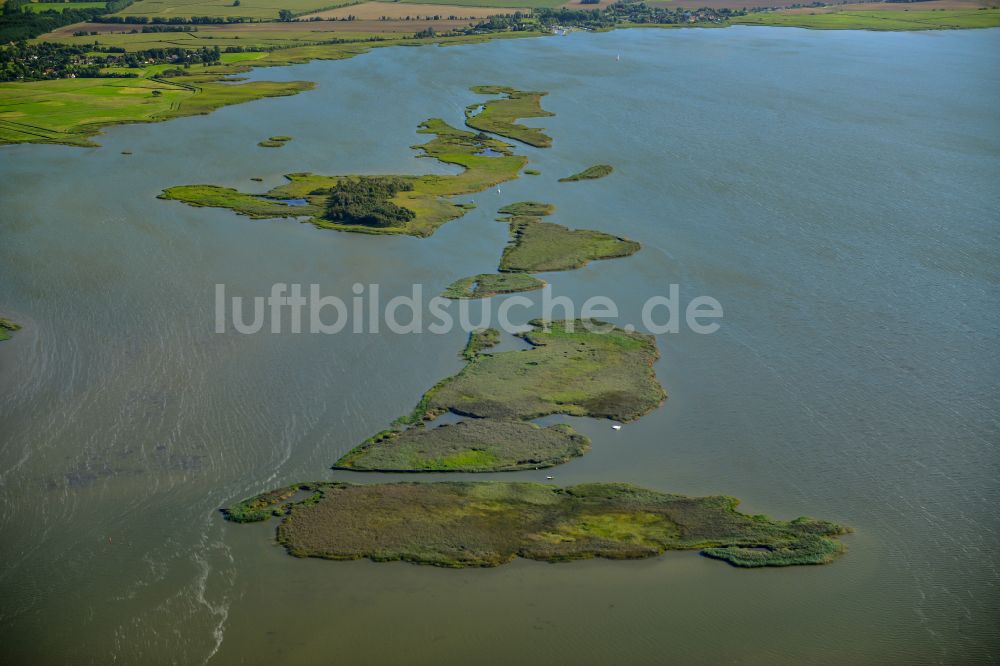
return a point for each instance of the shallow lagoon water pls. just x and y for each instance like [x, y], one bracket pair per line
[836, 191]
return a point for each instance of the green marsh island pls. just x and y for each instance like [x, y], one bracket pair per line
[536, 246]
[606, 372]
[412, 205]
[486, 524]
[590, 173]
[569, 369]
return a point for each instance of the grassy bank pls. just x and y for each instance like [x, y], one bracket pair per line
[71, 111]
[491, 523]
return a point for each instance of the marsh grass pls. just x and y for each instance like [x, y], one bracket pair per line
[575, 372]
[463, 524]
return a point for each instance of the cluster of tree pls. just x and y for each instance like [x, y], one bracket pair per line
[168, 28]
[173, 20]
[145, 29]
[366, 200]
[21, 61]
[173, 55]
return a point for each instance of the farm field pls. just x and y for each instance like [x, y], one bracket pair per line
[268, 9]
[61, 6]
[257, 9]
[400, 10]
[530, 4]
[894, 19]
[244, 34]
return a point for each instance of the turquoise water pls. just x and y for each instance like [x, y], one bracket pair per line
[835, 191]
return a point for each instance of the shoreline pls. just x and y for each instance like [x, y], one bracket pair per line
[211, 88]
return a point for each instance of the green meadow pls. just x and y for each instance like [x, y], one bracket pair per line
[70, 111]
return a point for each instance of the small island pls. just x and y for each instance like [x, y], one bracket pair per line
[498, 116]
[528, 208]
[537, 246]
[590, 173]
[485, 285]
[574, 367]
[486, 524]
[274, 142]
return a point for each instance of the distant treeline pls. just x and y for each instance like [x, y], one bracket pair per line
[18, 22]
[366, 200]
[173, 20]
